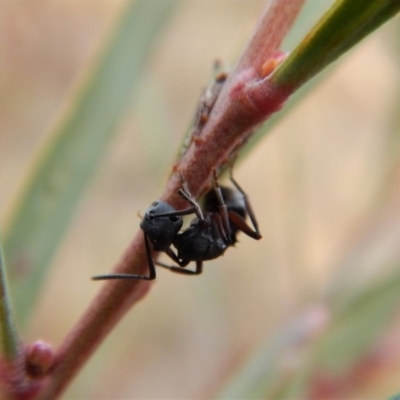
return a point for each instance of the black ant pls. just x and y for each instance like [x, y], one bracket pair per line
[208, 235]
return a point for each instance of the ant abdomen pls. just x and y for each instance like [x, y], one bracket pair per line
[233, 200]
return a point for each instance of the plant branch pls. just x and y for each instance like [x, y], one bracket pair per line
[233, 118]
[113, 301]
[246, 100]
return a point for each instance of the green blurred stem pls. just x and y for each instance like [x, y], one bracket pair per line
[64, 166]
[11, 342]
[343, 26]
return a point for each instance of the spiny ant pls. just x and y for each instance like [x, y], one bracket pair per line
[209, 234]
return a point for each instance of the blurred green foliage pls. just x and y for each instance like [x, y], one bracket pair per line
[357, 315]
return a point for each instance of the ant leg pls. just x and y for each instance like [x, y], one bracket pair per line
[238, 220]
[222, 209]
[203, 111]
[216, 218]
[208, 99]
[152, 269]
[183, 271]
[186, 211]
[182, 265]
[197, 271]
[240, 223]
[195, 209]
[185, 193]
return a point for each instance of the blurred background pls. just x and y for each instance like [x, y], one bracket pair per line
[324, 183]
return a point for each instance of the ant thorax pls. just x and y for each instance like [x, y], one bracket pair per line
[201, 241]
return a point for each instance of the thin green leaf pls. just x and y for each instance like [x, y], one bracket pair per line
[263, 376]
[63, 169]
[358, 325]
[343, 26]
[9, 337]
[352, 333]
[308, 15]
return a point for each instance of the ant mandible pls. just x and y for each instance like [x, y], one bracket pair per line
[208, 235]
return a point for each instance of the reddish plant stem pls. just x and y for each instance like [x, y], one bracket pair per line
[113, 301]
[246, 100]
[14, 380]
[277, 18]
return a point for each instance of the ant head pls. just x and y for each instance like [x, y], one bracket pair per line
[161, 230]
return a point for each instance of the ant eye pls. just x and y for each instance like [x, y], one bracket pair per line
[173, 218]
